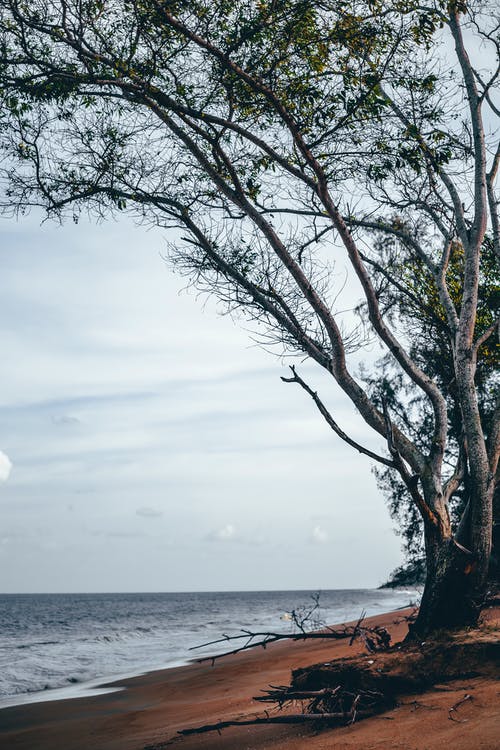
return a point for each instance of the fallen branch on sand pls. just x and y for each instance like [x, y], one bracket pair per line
[375, 638]
[282, 719]
[332, 707]
[456, 705]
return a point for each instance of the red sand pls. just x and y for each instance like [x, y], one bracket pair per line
[155, 706]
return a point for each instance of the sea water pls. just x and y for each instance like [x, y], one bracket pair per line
[54, 641]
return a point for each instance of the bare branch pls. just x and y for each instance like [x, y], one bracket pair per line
[493, 202]
[479, 224]
[332, 423]
[282, 719]
[495, 326]
[410, 481]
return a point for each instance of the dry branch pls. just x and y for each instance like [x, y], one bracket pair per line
[329, 705]
[338, 700]
[285, 693]
[375, 638]
[453, 709]
[283, 719]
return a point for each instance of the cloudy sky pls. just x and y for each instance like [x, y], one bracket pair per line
[147, 445]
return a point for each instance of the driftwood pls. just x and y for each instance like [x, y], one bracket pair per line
[280, 719]
[339, 701]
[328, 706]
[453, 709]
[334, 706]
[285, 693]
[375, 638]
[263, 639]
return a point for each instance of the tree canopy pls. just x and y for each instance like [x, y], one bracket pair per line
[282, 138]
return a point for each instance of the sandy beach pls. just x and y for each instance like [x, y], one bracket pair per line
[152, 708]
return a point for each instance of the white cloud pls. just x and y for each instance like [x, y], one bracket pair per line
[5, 466]
[227, 532]
[223, 534]
[319, 535]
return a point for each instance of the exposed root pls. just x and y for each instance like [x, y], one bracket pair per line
[345, 704]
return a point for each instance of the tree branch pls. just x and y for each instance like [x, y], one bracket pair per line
[410, 481]
[479, 223]
[332, 423]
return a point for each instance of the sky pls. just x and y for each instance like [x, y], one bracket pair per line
[146, 442]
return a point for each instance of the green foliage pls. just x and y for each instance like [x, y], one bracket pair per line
[420, 313]
[424, 297]
[410, 574]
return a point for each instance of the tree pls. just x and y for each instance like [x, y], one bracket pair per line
[278, 136]
[427, 317]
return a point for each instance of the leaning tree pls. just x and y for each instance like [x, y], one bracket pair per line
[282, 136]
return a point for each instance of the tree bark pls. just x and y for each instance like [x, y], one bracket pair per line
[456, 580]
[494, 571]
[447, 601]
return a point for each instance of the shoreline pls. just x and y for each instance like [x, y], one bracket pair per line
[56, 673]
[149, 709]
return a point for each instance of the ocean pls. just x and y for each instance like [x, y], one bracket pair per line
[63, 645]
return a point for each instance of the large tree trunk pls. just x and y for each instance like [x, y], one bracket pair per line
[457, 572]
[447, 600]
[456, 581]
